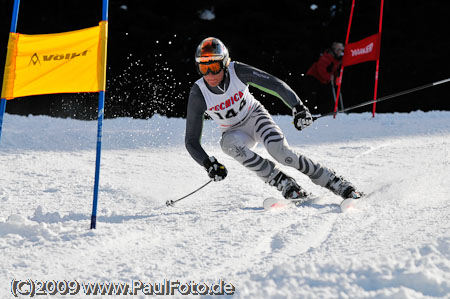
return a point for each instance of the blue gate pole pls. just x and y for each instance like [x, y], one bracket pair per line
[101, 104]
[14, 18]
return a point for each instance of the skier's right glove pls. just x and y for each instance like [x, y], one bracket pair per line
[302, 116]
[216, 171]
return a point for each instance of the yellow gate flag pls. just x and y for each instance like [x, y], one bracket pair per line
[68, 62]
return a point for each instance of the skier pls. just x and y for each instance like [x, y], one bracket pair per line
[223, 93]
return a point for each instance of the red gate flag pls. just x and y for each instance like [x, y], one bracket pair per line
[364, 50]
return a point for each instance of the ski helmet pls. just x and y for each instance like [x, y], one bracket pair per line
[211, 56]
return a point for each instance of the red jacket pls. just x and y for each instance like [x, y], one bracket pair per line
[324, 68]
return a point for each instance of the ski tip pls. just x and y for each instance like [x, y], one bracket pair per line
[349, 204]
[275, 203]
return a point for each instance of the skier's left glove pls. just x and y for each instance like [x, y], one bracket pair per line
[216, 171]
[302, 116]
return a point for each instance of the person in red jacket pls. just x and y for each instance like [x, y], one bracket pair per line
[320, 79]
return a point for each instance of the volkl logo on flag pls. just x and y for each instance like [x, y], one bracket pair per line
[368, 49]
[64, 56]
[34, 59]
[55, 57]
[364, 50]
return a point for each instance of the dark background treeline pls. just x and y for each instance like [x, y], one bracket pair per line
[152, 43]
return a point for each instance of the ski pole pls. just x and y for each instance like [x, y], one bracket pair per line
[341, 100]
[170, 203]
[386, 97]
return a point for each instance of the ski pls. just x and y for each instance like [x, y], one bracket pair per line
[347, 204]
[350, 203]
[275, 203]
[272, 203]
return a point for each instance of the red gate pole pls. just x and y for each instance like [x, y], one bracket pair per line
[342, 67]
[378, 61]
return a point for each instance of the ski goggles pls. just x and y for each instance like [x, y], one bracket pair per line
[213, 67]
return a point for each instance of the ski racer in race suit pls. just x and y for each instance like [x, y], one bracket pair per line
[223, 94]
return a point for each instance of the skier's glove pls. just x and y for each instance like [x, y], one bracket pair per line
[302, 117]
[216, 171]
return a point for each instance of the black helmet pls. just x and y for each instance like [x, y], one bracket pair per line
[211, 56]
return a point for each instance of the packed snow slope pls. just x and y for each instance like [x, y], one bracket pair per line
[394, 244]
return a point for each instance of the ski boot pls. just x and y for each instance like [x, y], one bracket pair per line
[351, 199]
[288, 187]
[339, 186]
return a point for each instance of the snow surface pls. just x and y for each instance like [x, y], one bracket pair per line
[396, 244]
